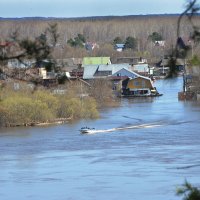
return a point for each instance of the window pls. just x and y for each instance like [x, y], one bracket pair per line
[136, 83]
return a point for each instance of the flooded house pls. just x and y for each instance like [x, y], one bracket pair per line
[138, 87]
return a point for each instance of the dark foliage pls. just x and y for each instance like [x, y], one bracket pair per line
[77, 41]
[181, 50]
[130, 43]
[155, 36]
[117, 40]
[189, 192]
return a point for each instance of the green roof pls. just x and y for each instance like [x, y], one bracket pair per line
[96, 60]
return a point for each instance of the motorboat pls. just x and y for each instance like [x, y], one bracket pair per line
[86, 129]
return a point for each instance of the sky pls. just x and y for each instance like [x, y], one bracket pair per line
[87, 8]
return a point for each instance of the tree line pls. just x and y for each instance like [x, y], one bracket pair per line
[102, 31]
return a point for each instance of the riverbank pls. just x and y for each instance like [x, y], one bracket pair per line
[53, 122]
[42, 107]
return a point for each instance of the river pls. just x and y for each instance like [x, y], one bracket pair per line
[146, 162]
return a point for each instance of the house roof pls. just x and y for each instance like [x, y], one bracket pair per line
[5, 44]
[96, 60]
[125, 72]
[119, 46]
[142, 67]
[143, 77]
[113, 67]
[90, 70]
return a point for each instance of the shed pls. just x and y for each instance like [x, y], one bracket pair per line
[119, 47]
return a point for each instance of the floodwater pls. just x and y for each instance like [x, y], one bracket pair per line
[148, 161]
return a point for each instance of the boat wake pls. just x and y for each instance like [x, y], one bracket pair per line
[149, 125]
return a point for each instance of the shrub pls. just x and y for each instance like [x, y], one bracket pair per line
[48, 98]
[195, 61]
[68, 108]
[89, 108]
[24, 110]
[75, 108]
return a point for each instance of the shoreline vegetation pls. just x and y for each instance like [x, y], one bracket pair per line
[28, 108]
[41, 106]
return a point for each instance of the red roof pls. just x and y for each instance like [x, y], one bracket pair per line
[5, 44]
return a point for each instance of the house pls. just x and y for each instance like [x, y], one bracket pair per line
[46, 74]
[43, 74]
[124, 73]
[5, 44]
[163, 65]
[89, 71]
[120, 75]
[116, 73]
[71, 67]
[160, 43]
[76, 73]
[96, 61]
[139, 86]
[89, 46]
[119, 47]
[142, 69]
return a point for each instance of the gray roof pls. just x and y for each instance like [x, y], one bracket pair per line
[113, 67]
[142, 67]
[90, 70]
[126, 72]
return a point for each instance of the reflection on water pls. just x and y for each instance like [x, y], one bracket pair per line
[59, 163]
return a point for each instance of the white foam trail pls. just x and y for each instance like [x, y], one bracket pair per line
[150, 125]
